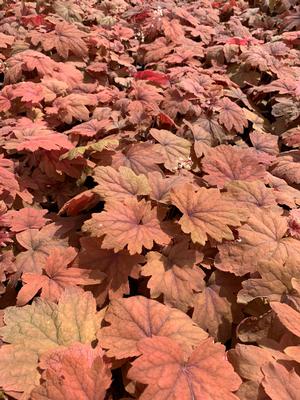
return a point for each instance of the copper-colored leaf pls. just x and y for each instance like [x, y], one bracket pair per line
[26, 218]
[247, 361]
[33, 136]
[215, 308]
[174, 274]
[65, 38]
[116, 266]
[131, 223]
[6, 40]
[289, 317]
[276, 281]
[284, 193]
[77, 372]
[279, 383]
[175, 149]
[57, 277]
[226, 163]
[161, 185]
[231, 115]
[287, 166]
[172, 373]
[37, 245]
[173, 30]
[251, 195]
[73, 106]
[262, 238]
[136, 318]
[140, 157]
[205, 213]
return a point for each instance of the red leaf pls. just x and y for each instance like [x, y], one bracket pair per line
[239, 41]
[153, 76]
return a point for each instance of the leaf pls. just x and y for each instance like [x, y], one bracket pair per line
[231, 115]
[33, 136]
[247, 361]
[227, 163]
[73, 106]
[173, 30]
[176, 150]
[276, 281]
[18, 369]
[8, 181]
[74, 319]
[65, 38]
[76, 372]
[284, 193]
[203, 139]
[132, 223]
[266, 145]
[51, 325]
[279, 383]
[251, 196]
[6, 40]
[87, 129]
[286, 166]
[140, 157]
[68, 10]
[205, 213]
[153, 76]
[37, 245]
[262, 238]
[175, 275]
[26, 218]
[116, 266]
[119, 185]
[171, 373]
[294, 223]
[99, 146]
[289, 317]
[161, 185]
[56, 278]
[293, 352]
[292, 137]
[82, 202]
[136, 318]
[29, 92]
[215, 308]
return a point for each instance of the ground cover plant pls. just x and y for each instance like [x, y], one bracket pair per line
[149, 200]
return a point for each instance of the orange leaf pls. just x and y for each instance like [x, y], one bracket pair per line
[226, 163]
[262, 238]
[175, 275]
[205, 212]
[173, 374]
[26, 218]
[279, 383]
[77, 372]
[231, 115]
[57, 277]
[131, 223]
[289, 317]
[176, 149]
[140, 157]
[116, 266]
[136, 318]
